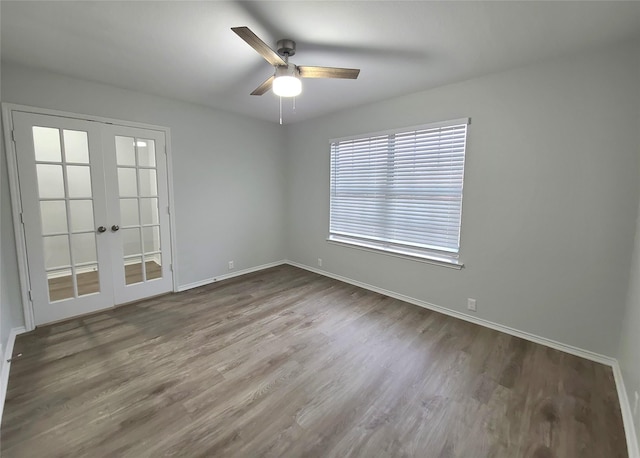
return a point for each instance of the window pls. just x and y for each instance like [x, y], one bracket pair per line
[400, 191]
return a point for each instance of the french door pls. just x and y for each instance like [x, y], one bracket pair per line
[94, 208]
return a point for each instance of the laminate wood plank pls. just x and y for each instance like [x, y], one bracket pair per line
[284, 362]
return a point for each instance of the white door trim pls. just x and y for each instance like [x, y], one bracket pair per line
[16, 206]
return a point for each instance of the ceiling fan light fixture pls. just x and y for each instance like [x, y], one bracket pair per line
[286, 82]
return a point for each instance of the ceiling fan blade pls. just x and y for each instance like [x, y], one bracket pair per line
[260, 46]
[328, 72]
[264, 87]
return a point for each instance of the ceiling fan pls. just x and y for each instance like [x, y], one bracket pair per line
[286, 79]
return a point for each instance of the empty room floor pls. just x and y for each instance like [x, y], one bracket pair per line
[288, 363]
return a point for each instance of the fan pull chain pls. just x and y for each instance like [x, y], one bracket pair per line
[294, 105]
[280, 110]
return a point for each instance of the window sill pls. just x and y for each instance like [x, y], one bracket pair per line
[443, 261]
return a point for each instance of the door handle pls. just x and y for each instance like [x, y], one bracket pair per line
[102, 229]
[115, 228]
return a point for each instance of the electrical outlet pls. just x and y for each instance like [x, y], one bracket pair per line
[319, 262]
[635, 404]
[471, 304]
[230, 265]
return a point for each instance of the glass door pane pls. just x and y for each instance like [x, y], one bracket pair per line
[66, 212]
[138, 204]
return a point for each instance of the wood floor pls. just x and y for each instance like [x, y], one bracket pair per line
[287, 363]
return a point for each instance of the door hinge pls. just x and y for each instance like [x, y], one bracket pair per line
[168, 209]
[13, 135]
[171, 267]
[22, 218]
[30, 297]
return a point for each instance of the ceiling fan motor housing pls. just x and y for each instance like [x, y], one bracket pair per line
[286, 80]
[289, 70]
[286, 47]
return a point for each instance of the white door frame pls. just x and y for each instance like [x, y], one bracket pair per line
[16, 201]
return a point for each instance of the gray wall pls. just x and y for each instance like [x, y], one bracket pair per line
[628, 356]
[228, 172]
[629, 350]
[550, 196]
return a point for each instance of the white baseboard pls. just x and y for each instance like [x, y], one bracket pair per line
[6, 365]
[208, 281]
[609, 361]
[627, 415]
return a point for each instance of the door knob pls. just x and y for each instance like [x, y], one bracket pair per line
[102, 229]
[115, 227]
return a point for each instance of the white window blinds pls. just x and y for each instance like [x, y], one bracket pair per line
[400, 191]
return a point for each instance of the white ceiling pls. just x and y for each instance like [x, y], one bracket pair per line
[186, 50]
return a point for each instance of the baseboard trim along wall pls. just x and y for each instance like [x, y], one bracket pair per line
[6, 365]
[625, 407]
[237, 273]
[592, 356]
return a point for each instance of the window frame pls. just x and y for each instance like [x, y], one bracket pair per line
[443, 257]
